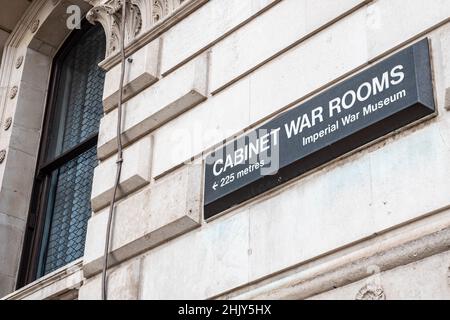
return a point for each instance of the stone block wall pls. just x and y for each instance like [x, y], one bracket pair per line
[213, 69]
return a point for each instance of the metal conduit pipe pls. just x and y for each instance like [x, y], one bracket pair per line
[119, 160]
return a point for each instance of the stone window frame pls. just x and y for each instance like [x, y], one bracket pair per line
[26, 64]
[35, 234]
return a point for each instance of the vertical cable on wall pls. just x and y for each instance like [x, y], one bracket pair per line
[119, 160]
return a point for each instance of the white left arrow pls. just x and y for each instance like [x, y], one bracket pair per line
[215, 185]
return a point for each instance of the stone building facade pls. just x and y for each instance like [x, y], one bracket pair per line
[373, 223]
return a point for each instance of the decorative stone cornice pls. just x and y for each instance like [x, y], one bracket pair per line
[153, 31]
[141, 15]
[109, 15]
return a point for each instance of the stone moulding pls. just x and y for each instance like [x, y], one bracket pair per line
[35, 25]
[13, 92]
[109, 15]
[140, 15]
[7, 123]
[371, 292]
[149, 19]
[19, 62]
[66, 279]
[308, 281]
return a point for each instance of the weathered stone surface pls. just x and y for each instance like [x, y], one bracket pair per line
[29, 111]
[214, 19]
[6, 284]
[272, 32]
[203, 263]
[11, 233]
[443, 43]
[122, 283]
[61, 284]
[157, 105]
[144, 220]
[396, 17]
[141, 71]
[135, 174]
[414, 281]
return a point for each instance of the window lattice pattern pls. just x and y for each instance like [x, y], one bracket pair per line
[71, 211]
[86, 89]
[77, 118]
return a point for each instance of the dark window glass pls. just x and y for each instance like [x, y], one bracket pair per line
[61, 207]
[76, 119]
[68, 212]
[79, 96]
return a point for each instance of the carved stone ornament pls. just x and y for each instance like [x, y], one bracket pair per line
[2, 155]
[13, 92]
[140, 15]
[35, 25]
[109, 15]
[159, 10]
[162, 8]
[371, 292]
[19, 62]
[8, 123]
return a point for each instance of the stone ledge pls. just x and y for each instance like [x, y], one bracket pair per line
[142, 221]
[410, 243]
[123, 283]
[136, 172]
[141, 72]
[182, 90]
[53, 285]
[424, 279]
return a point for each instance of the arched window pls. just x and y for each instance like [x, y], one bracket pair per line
[60, 205]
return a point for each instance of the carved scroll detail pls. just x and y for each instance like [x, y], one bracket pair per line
[141, 15]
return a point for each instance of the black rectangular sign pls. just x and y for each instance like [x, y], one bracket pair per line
[379, 100]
